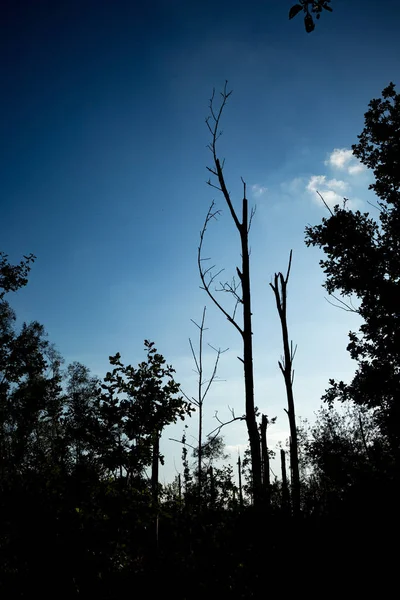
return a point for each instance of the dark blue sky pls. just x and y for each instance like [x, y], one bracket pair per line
[103, 156]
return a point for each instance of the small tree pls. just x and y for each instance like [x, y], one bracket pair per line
[141, 401]
[203, 387]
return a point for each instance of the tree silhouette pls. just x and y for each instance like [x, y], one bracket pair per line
[310, 8]
[240, 290]
[363, 260]
[279, 288]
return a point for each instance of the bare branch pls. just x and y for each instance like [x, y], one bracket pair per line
[380, 207]
[235, 309]
[222, 424]
[345, 306]
[252, 213]
[289, 266]
[231, 288]
[213, 122]
[324, 202]
[203, 273]
[213, 375]
[244, 187]
[183, 443]
[219, 349]
[194, 356]
[190, 400]
[214, 186]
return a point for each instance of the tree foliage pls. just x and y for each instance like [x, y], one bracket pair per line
[363, 260]
[310, 8]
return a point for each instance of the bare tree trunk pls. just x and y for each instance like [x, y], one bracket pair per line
[286, 367]
[265, 459]
[251, 421]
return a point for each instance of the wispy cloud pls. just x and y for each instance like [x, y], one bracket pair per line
[355, 169]
[294, 186]
[343, 159]
[258, 190]
[338, 185]
[330, 189]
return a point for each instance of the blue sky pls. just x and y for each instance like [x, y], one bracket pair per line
[103, 171]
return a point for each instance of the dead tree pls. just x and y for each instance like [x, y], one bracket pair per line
[239, 290]
[279, 288]
[203, 387]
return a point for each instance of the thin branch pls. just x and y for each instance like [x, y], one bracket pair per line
[252, 213]
[215, 117]
[346, 307]
[222, 424]
[289, 267]
[183, 443]
[214, 373]
[194, 355]
[203, 273]
[190, 400]
[231, 288]
[235, 308]
[324, 202]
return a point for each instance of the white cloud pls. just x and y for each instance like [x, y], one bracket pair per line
[258, 190]
[318, 181]
[328, 188]
[355, 169]
[339, 158]
[332, 191]
[343, 159]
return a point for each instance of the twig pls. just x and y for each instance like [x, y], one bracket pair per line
[204, 272]
[346, 307]
[183, 443]
[324, 202]
[222, 424]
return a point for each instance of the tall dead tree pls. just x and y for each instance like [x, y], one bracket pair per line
[279, 288]
[239, 290]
